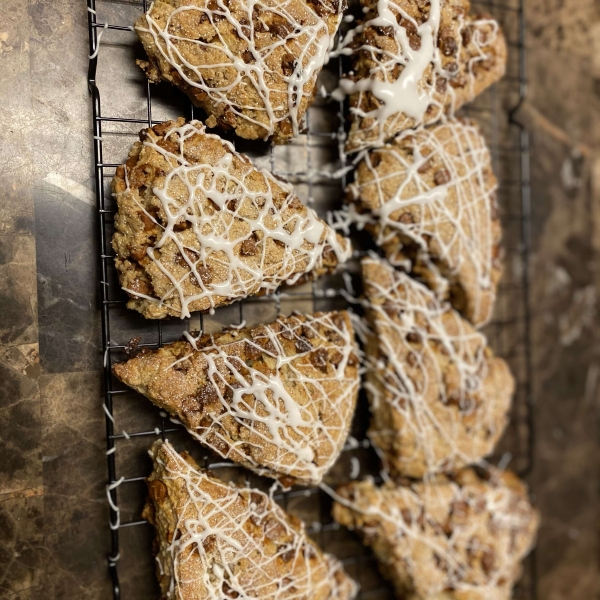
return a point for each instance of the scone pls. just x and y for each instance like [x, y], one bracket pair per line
[276, 398]
[215, 540]
[447, 539]
[439, 397]
[198, 226]
[251, 66]
[429, 198]
[413, 62]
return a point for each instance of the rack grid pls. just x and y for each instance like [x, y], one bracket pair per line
[130, 103]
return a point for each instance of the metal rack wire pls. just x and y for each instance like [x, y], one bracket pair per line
[132, 423]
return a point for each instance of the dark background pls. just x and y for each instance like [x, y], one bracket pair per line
[53, 513]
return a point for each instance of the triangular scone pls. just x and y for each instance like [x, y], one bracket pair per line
[446, 539]
[217, 541]
[276, 398]
[429, 197]
[198, 226]
[252, 66]
[439, 397]
[415, 61]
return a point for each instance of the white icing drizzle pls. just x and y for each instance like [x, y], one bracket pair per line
[191, 339]
[442, 536]
[405, 80]
[456, 236]
[296, 439]
[421, 342]
[351, 443]
[108, 413]
[94, 54]
[348, 283]
[407, 94]
[217, 235]
[230, 542]
[117, 522]
[308, 40]
[115, 484]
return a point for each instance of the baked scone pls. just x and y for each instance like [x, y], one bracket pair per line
[429, 198]
[198, 226]
[276, 398]
[218, 541]
[251, 66]
[446, 539]
[413, 61]
[439, 397]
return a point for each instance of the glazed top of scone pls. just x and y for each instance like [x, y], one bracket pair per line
[252, 66]
[198, 226]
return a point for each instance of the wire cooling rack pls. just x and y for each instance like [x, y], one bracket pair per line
[311, 163]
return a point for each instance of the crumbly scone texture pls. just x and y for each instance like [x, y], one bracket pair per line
[466, 55]
[446, 539]
[276, 398]
[198, 226]
[252, 67]
[439, 397]
[429, 199]
[216, 541]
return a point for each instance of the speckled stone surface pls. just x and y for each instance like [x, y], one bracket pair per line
[53, 532]
[20, 418]
[563, 114]
[22, 548]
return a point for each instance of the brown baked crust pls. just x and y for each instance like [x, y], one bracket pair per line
[240, 61]
[471, 52]
[439, 397]
[446, 539]
[297, 379]
[430, 197]
[232, 231]
[215, 540]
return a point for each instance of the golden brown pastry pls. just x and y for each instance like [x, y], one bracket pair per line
[429, 199]
[415, 61]
[215, 541]
[251, 66]
[276, 398]
[439, 397]
[198, 226]
[459, 538]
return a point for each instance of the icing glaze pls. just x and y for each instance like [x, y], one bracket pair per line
[410, 71]
[437, 192]
[236, 542]
[445, 538]
[307, 38]
[407, 94]
[430, 367]
[208, 198]
[294, 425]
